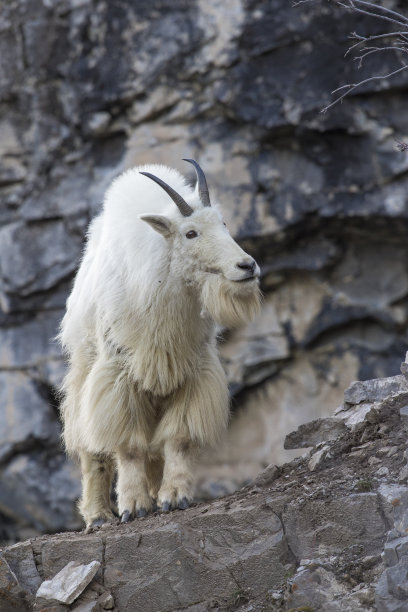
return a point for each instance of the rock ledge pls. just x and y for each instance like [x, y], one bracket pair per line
[328, 531]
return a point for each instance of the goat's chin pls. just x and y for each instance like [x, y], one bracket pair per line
[229, 303]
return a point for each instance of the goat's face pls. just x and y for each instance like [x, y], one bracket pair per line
[205, 256]
[201, 245]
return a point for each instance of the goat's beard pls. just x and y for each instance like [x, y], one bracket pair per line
[230, 304]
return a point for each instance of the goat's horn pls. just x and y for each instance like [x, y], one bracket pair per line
[182, 205]
[202, 183]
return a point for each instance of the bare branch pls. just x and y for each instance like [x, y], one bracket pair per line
[396, 41]
[401, 146]
[297, 2]
[353, 86]
[364, 39]
[371, 50]
[380, 7]
[351, 6]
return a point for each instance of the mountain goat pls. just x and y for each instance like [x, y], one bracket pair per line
[145, 387]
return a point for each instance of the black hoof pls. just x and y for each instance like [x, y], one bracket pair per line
[183, 503]
[166, 506]
[97, 523]
[126, 517]
[141, 512]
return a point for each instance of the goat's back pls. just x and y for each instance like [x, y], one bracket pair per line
[123, 254]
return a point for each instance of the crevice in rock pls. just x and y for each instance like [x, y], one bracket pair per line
[37, 555]
[103, 567]
[51, 449]
[292, 557]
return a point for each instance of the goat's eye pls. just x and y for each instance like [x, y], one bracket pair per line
[191, 234]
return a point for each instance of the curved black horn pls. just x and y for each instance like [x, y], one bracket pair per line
[181, 204]
[202, 183]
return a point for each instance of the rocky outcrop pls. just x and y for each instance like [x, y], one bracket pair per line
[326, 532]
[88, 89]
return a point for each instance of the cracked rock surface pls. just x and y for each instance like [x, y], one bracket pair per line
[330, 538]
[88, 89]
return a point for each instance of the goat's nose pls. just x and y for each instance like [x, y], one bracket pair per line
[247, 265]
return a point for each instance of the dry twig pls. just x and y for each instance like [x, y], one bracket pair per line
[395, 42]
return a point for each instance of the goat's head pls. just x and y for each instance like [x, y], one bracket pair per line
[205, 255]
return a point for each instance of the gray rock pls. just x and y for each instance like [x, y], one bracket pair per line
[12, 170]
[321, 526]
[394, 550]
[357, 416]
[26, 416]
[317, 459]
[31, 343]
[317, 588]
[252, 353]
[68, 584]
[403, 475]
[87, 606]
[266, 477]
[313, 432]
[404, 369]
[21, 561]
[197, 567]
[12, 596]
[392, 589]
[397, 579]
[404, 416]
[69, 195]
[79, 547]
[385, 602]
[97, 123]
[36, 257]
[106, 601]
[394, 499]
[376, 390]
[43, 480]
[86, 94]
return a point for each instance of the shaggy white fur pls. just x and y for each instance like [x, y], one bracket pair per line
[145, 387]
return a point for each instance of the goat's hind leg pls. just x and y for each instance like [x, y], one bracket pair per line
[97, 473]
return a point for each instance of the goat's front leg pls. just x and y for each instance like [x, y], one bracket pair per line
[132, 486]
[176, 490]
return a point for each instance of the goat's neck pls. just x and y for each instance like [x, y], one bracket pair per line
[164, 342]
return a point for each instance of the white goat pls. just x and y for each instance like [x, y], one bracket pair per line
[145, 387]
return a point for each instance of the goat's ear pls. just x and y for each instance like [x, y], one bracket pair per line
[160, 223]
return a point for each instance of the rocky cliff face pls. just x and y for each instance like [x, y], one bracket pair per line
[326, 532]
[89, 88]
